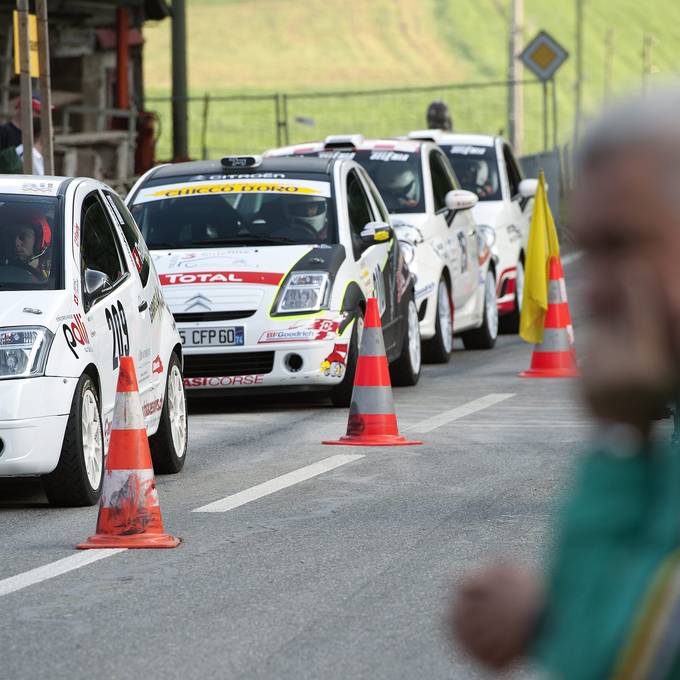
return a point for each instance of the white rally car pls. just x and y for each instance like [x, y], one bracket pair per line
[78, 290]
[267, 265]
[448, 254]
[486, 166]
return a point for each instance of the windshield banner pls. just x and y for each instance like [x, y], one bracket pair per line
[240, 186]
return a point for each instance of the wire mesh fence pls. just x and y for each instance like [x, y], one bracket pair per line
[251, 123]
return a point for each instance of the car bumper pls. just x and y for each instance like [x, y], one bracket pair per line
[33, 416]
[269, 363]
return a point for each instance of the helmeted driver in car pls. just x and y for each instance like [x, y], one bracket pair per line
[307, 212]
[400, 184]
[27, 238]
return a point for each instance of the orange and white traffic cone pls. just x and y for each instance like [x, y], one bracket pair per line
[555, 357]
[372, 420]
[129, 513]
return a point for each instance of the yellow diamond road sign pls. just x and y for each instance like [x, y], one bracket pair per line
[543, 56]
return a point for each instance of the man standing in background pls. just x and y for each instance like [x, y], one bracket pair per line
[609, 605]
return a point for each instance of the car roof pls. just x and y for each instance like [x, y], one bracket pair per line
[448, 138]
[31, 185]
[351, 143]
[322, 166]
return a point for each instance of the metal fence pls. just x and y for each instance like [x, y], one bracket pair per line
[251, 123]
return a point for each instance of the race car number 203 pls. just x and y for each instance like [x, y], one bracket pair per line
[210, 337]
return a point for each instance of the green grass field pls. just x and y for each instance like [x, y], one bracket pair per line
[262, 47]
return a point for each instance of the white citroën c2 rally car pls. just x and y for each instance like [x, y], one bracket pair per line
[78, 290]
[267, 265]
[448, 255]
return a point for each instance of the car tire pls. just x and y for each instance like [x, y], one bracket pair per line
[509, 323]
[77, 479]
[437, 350]
[405, 371]
[341, 395]
[169, 444]
[485, 336]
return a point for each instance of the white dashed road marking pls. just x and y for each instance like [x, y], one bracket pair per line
[457, 413]
[278, 483]
[48, 571]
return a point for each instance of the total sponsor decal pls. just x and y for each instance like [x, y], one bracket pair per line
[303, 331]
[263, 278]
[76, 334]
[334, 364]
[207, 188]
[224, 381]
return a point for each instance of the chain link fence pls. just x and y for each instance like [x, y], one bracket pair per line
[221, 125]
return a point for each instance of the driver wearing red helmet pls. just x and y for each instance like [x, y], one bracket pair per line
[27, 241]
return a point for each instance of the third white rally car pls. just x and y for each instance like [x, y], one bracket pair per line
[78, 290]
[448, 254]
[267, 265]
[485, 165]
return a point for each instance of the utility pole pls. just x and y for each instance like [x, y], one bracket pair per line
[608, 65]
[180, 106]
[515, 73]
[26, 87]
[45, 86]
[579, 70]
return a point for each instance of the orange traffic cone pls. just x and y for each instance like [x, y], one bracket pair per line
[555, 357]
[129, 514]
[372, 421]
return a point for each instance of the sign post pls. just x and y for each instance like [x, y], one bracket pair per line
[23, 52]
[45, 87]
[543, 56]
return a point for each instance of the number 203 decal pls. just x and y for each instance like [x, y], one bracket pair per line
[117, 324]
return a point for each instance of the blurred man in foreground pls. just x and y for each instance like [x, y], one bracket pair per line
[609, 606]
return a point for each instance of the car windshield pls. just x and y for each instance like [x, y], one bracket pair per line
[398, 176]
[236, 210]
[477, 169]
[30, 234]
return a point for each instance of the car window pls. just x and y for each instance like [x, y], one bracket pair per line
[138, 249]
[99, 249]
[31, 230]
[232, 210]
[514, 175]
[383, 215]
[357, 204]
[442, 182]
[476, 169]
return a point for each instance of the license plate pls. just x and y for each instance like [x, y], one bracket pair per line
[212, 337]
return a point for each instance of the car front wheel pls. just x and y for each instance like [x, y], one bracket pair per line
[77, 479]
[437, 350]
[169, 444]
[405, 370]
[485, 336]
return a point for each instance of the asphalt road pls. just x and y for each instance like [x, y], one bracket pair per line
[345, 574]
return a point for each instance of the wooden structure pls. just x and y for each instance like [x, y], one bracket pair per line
[96, 59]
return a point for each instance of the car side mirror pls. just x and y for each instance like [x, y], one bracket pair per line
[377, 232]
[460, 199]
[528, 188]
[95, 284]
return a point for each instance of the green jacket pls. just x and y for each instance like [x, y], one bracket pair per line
[10, 163]
[614, 590]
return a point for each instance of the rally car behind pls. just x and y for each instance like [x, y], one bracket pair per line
[267, 266]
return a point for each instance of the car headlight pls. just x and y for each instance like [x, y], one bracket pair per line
[23, 351]
[304, 292]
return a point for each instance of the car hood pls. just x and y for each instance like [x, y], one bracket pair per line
[224, 279]
[486, 212]
[51, 304]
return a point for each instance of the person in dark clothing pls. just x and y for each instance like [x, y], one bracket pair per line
[10, 132]
[439, 117]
